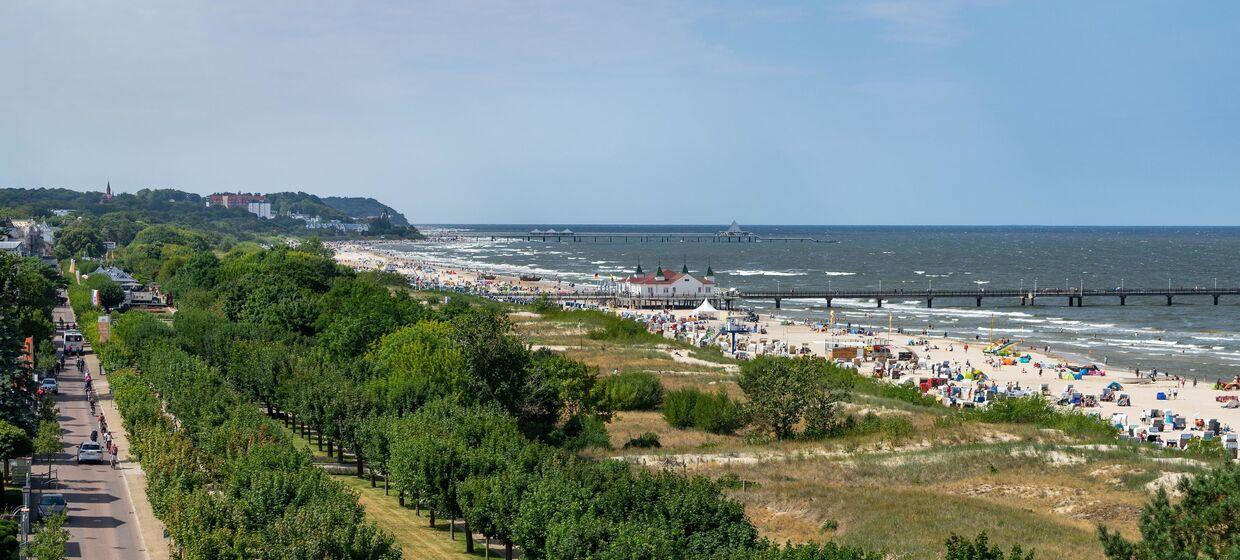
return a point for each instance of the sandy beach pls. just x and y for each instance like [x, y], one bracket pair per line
[1197, 403]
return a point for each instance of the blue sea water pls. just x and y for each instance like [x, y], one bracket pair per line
[1193, 337]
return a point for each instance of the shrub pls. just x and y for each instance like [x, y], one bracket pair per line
[644, 441]
[543, 306]
[713, 412]
[679, 407]
[621, 330]
[1034, 409]
[634, 390]
[582, 431]
[716, 413]
[960, 548]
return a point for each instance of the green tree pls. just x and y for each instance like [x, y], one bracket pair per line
[47, 441]
[110, 293]
[960, 548]
[78, 239]
[14, 443]
[10, 547]
[50, 541]
[418, 363]
[1204, 524]
[786, 391]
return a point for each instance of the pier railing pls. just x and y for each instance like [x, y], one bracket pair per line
[1075, 296]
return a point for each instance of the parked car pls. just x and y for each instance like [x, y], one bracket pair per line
[50, 384]
[52, 504]
[89, 451]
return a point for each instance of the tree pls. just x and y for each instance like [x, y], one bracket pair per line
[10, 547]
[960, 548]
[111, 294]
[420, 362]
[81, 238]
[50, 541]
[47, 441]
[1205, 524]
[784, 391]
[14, 443]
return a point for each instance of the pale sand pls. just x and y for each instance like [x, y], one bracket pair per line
[1192, 402]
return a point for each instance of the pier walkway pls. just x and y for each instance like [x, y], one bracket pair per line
[1074, 296]
[622, 237]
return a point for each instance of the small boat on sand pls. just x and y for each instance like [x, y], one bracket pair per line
[530, 278]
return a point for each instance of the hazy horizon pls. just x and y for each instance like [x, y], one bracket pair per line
[939, 112]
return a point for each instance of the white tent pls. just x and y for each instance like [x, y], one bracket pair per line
[705, 310]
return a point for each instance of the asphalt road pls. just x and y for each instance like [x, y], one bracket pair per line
[101, 521]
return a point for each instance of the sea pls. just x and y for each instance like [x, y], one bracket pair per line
[1193, 337]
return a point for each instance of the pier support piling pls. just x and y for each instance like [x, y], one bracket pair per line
[929, 303]
[979, 301]
[880, 302]
[1168, 300]
[1123, 300]
[777, 300]
[1216, 299]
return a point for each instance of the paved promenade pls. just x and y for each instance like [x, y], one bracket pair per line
[109, 516]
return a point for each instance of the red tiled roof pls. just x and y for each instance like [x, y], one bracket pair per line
[669, 276]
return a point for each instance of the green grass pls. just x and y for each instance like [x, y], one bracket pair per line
[412, 532]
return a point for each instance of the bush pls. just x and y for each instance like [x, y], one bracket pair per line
[644, 441]
[679, 407]
[960, 548]
[621, 330]
[715, 413]
[634, 390]
[544, 306]
[1034, 409]
[582, 431]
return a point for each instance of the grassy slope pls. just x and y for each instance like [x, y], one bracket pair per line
[1021, 484]
[902, 493]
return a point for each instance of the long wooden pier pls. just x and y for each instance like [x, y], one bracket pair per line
[622, 237]
[1075, 297]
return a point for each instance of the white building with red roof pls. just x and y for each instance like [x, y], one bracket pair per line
[667, 283]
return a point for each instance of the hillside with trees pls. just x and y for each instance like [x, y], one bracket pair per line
[118, 220]
[359, 208]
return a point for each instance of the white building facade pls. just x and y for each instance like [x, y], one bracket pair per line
[667, 283]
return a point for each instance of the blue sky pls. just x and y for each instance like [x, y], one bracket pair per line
[869, 112]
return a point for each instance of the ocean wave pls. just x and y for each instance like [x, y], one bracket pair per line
[831, 273]
[764, 273]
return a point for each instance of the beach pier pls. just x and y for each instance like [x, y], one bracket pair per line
[623, 237]
[1075, 296]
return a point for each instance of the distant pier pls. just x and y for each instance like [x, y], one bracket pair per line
[733, 234]
[1075, 297]
[626, 237]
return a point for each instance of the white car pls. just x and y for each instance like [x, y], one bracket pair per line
[89, 451]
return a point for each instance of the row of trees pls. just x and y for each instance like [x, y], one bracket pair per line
[226, 480]
[456, 414]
